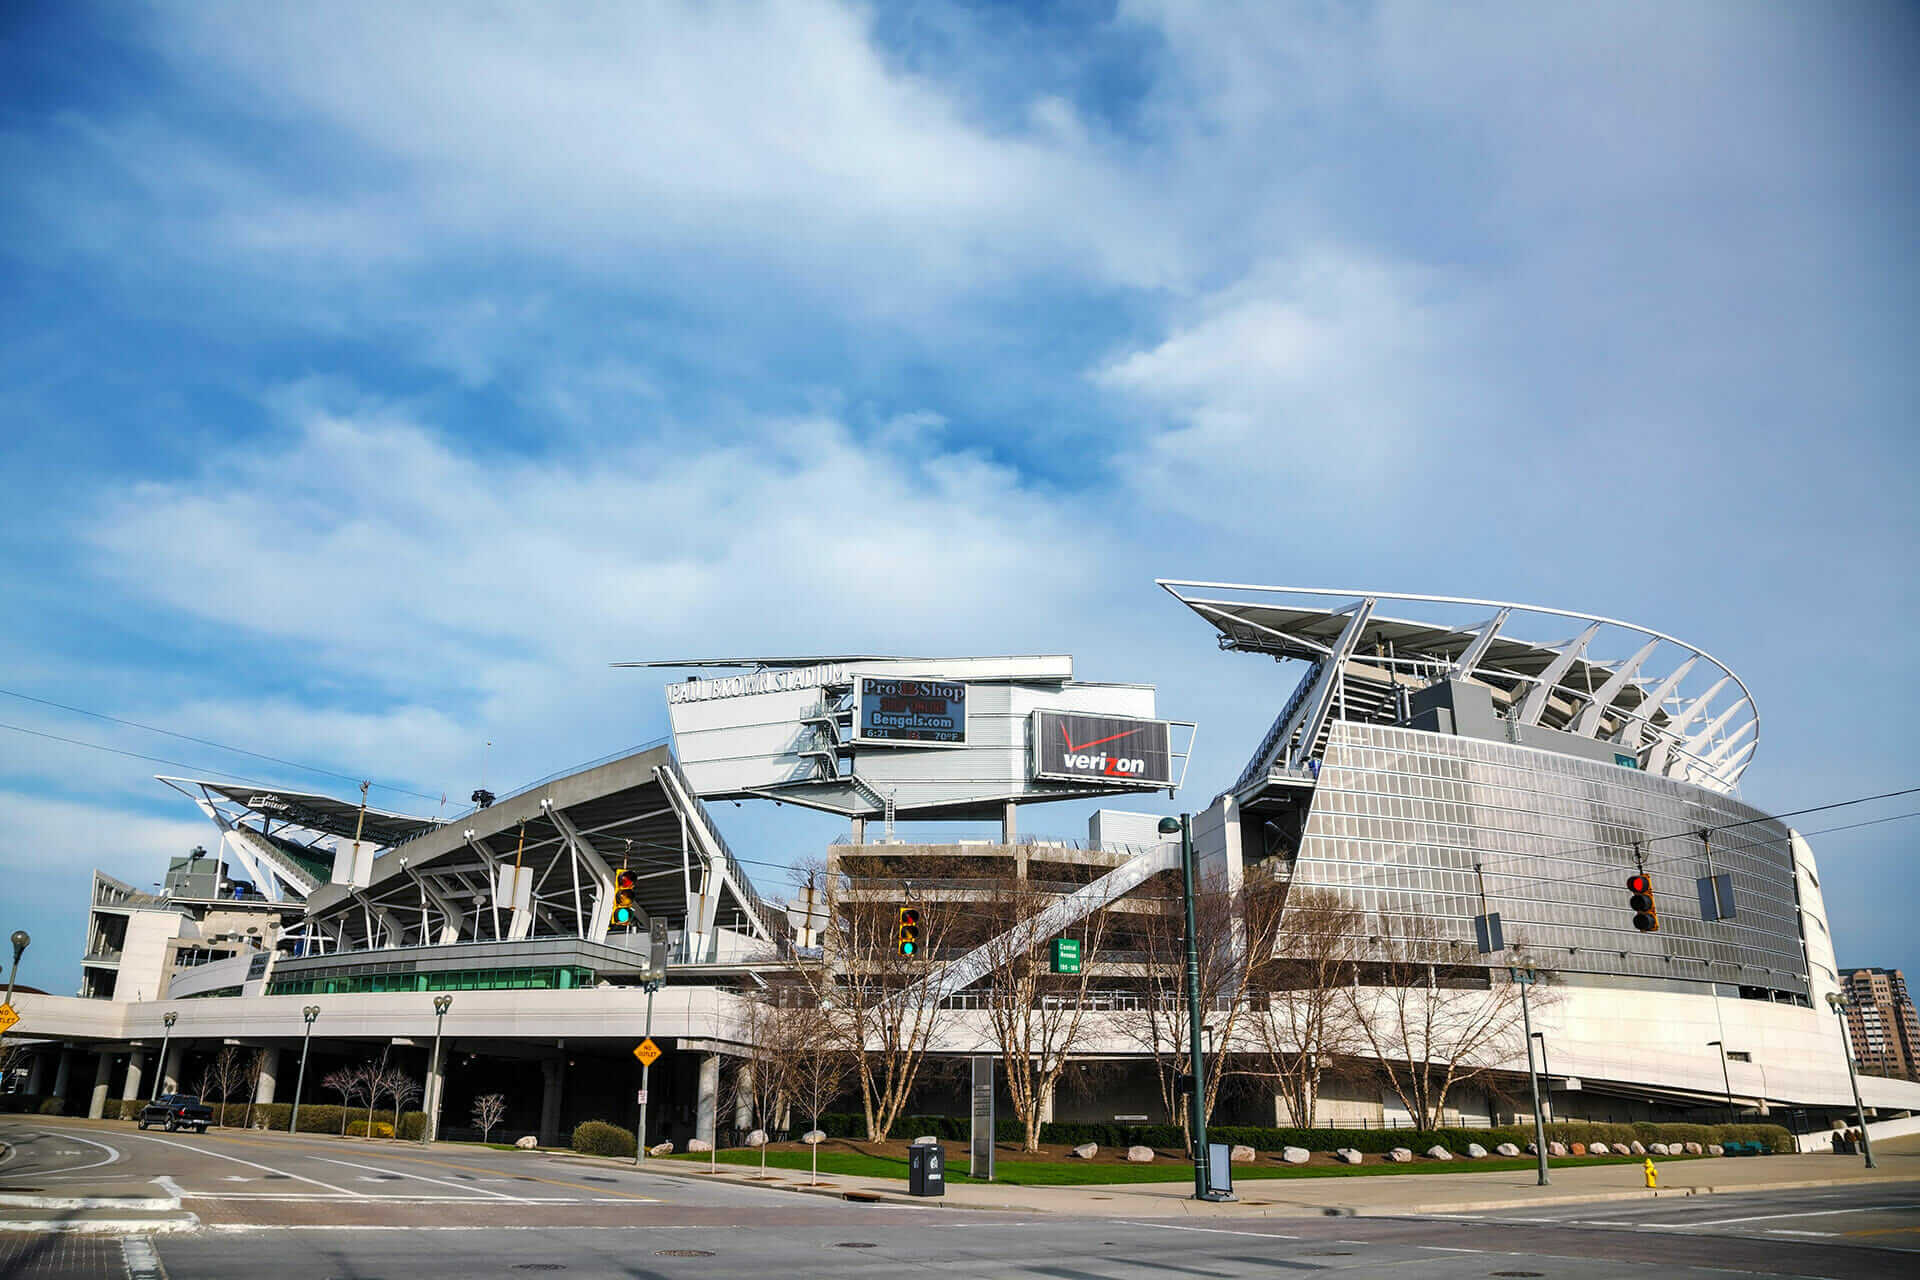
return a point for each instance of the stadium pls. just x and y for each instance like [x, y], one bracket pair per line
[1455, 793]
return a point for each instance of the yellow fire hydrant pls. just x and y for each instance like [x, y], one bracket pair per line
[1653, 1174]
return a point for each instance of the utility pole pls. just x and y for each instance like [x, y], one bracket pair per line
[1197, 1099]
[1523, 974]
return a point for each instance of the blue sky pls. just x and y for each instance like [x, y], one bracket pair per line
[372, 376]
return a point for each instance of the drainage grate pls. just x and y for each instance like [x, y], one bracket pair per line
[1516, 1273]
[855, 1244]
[589, 1177]
[539, 1266]
[683, 1253]
[1328, 1253]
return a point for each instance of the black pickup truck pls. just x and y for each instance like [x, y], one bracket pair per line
[173, 1111]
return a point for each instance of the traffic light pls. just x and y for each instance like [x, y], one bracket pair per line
[623, 911]
[1646, 918]
[907, 933]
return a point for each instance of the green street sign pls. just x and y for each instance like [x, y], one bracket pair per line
[1066, 955]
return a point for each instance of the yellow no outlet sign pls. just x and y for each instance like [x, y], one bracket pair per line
[647, 1051]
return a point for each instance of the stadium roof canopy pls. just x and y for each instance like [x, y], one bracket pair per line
[1678, 709]
[322, 813]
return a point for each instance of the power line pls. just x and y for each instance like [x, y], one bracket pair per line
[134, 755]
[187, 737]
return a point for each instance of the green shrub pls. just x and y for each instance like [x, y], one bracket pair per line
[54, 1107]
[381, 1129]
[20, 1103]
[598, 1138]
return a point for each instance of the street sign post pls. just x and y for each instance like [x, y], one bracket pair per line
[1066, 955]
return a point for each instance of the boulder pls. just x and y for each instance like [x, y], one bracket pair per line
[1476, 1152]
[1637, 1148]
[527, 1143]
[1400, 1155]
[1438, 1152]
[660, 1149]
[814, 1137]
[1347, 1155]
[1295, 1155]
[1139, 1155]
[1507, 1149]
[1086, 1151]
[1715, 1149]
[1242, 1154]
[699, 1144]
[1656, 1148]
[1556, 1149]
[924, 1140]
[1599, 1149]
[1578, 1148]
[1694, 1148]
[758, 1138]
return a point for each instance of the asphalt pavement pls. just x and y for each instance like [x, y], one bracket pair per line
[272, 1205]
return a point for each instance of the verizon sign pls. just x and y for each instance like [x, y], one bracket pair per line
[1114, 750]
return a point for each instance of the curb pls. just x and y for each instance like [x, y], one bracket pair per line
[1638, 1193]
[108, 1226]
[858, 1195]
[132, 1204]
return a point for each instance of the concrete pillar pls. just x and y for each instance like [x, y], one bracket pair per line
[170, 1070]
[63, 1074]
[742, 1095]
[269, 1076]
[859, 830]
[1007, 831]
[553, 1072]
[430, 1087]
[136, 1062]
[37, 1074]
[709, 1097]
[102, 1081]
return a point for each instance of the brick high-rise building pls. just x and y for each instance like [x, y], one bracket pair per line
[1885, 1029]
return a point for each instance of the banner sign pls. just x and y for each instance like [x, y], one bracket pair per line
[910, 712]
[1114, 750]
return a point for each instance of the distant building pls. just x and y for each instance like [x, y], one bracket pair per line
[1881, 1018]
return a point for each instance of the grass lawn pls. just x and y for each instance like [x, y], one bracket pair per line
[1013, 1170]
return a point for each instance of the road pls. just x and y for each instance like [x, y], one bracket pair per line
[254, 1205]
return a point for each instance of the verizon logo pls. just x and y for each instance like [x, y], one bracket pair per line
[1078, 757]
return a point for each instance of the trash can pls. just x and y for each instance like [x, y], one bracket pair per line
[926, 1171]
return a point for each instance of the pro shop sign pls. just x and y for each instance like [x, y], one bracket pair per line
[1109, 750]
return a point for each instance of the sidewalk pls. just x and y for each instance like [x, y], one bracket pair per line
[1380, 1195]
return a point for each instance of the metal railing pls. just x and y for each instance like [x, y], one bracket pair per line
[770, 917]
[1280, 726]
[535, 785]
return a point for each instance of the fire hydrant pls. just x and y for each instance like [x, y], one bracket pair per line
[1653, 1175]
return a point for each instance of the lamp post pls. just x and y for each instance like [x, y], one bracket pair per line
[20, 940]
[1524, 974]
[430, 1131]
[1197, 1100]
[160, 1076]
[1546, 1069]
[1838, 1003]
[309, 1013]
[1726, 1082]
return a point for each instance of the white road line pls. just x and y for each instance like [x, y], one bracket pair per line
[217, 1155]
[1218, 1231]
[1441, 1248]
[439, 1182]
[112, 1155]
[1805, 1213]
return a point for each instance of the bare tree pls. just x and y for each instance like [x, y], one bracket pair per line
[1159, 1023]
[1300, 1017]
[1431, 1021]
[401, 1089]
[760, 1080]
[879, 1005]
[489, 1109]
[351, 1084]
[1036, 1014]
[221, 1077]
[256, 1067]
[817, 1067]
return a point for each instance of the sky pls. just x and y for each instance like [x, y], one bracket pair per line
[372, 376]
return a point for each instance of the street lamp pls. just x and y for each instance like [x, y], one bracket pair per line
[1546, 1070]
[1726, 1081]
[430, 1131]
[1525, 975]
[160, 1076]
[20, 940]
[1197, 1101]
[1838, 1003]
[309, 1013]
